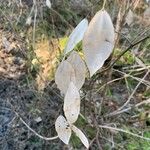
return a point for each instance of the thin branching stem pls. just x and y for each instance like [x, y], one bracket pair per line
[129, 48]
[124, 131]
[135, 89]
[104, 3]
[129, 108]
[33, 131]
[40, 136]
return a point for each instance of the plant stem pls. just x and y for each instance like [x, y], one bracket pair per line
[104, 3]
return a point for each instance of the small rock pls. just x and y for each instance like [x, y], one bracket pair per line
[18, 60]
[6, 45]
[2, 70]
[13, 69]
[38, 119]
[2, 62]
[147, 13]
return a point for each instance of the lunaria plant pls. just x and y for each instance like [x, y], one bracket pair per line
[98, 42]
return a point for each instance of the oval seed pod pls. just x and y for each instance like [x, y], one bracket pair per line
[76, 36]
[72, 103]
[63, 129]
[98, 41]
